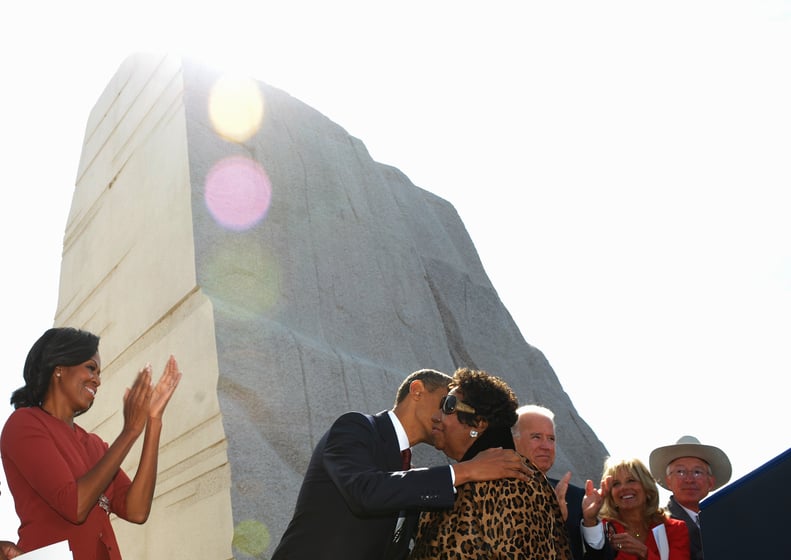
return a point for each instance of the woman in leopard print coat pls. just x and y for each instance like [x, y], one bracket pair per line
[496, 520]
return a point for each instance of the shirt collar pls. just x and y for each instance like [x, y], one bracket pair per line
[403, 440]
[693, 515]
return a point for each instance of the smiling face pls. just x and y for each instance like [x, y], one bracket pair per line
[627, 491]
[76, 386]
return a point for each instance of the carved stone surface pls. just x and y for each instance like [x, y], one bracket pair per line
[316, 292]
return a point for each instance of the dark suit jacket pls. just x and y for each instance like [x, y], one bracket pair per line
[353, 492]
[574, 496]
[695, 544]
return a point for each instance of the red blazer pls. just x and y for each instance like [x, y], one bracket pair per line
[677, 540]
[43, 458]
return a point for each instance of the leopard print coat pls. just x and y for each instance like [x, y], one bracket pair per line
[496, 520]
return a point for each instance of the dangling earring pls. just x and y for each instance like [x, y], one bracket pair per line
[473, 433]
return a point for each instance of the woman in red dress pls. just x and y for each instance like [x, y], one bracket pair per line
[64, 480]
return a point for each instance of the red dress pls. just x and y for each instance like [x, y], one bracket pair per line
[677, 540]
[43, 458]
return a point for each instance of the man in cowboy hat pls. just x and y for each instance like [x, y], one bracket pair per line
[690, 470]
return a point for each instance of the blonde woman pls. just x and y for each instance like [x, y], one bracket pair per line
[623, 519]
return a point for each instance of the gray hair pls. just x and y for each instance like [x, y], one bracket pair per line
[531, 409]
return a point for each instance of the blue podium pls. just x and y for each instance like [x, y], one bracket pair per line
[751, 517]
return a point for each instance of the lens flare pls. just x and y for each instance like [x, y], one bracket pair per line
[237, 192]
[236, 108]
[251, 537]
[241, 275]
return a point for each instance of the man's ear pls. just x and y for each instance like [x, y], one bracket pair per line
[417, 388]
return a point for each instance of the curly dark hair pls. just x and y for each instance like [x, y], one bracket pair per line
[489, 395]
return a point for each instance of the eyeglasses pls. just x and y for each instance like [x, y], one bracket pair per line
[450, 404]
[683, 473]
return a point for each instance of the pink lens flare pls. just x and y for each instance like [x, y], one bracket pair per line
[237, 192]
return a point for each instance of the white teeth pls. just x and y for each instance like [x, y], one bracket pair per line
[91, 391]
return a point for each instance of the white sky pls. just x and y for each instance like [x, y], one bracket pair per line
[622, 168]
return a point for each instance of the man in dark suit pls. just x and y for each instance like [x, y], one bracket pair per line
[359, 500]
[534, 437]
[690, 470]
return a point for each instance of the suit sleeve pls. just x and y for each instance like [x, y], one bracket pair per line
[357, 462]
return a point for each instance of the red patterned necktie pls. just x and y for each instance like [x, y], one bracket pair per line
[406, 459]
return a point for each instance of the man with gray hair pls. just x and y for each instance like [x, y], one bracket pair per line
[690, 470]
[534, 437]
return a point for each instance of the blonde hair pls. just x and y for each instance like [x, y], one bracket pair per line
[653, 513]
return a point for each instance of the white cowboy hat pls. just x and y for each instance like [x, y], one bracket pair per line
[689, 446]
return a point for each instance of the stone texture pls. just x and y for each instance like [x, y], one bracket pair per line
[354, 278]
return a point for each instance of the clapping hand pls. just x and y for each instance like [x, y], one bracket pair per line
[165, 388]
[143, 402]
[560, 491]
[594, 500]
[137, 401]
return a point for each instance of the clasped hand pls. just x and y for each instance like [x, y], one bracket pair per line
[628, 544]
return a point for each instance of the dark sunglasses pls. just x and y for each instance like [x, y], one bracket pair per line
[450, 404]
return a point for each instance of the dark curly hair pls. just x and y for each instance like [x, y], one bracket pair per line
[489, 395]
[63, 346]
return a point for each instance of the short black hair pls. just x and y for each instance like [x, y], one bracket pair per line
[431, 378]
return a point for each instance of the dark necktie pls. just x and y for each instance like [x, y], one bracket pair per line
[406, 459]
[406, 464]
